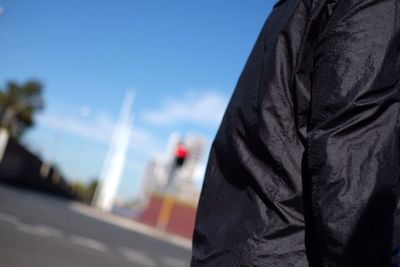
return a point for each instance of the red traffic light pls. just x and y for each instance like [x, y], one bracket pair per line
[180, 155]
[181, 152]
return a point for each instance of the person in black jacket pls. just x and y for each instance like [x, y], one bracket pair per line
[304, 170]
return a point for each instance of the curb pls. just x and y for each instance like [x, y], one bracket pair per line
[131, 225]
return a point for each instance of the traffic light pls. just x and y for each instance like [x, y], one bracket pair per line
[180, 155]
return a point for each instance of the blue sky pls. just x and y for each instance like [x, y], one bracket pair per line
[182, 58]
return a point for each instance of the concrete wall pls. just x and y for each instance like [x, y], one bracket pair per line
[20, 167]
[181, 221]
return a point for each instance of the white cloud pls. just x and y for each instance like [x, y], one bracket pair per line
[99, 129]
[90, 130]
[204, 109]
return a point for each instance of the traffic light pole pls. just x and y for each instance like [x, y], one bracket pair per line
[169, 191]
[168, 200]
[164, 216]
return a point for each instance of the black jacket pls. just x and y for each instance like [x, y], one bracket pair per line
[304, 169]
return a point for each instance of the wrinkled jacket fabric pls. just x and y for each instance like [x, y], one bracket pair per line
[304, 169]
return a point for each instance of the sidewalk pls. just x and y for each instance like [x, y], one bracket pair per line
[130, 224]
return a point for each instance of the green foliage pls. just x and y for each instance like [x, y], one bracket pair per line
[85, 191]
[18, 105]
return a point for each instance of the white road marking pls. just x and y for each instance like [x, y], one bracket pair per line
[88, 243]
[53, 232]
[8, 218]
[131, 225]
[173, 262]
[40, 230]
[137, 257]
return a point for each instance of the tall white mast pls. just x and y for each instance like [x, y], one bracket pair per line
[116, 156]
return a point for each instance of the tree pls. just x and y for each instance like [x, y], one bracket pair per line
[91, 190]
[85, 191]
[18, 105]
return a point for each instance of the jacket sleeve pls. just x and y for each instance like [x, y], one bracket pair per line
[352, 148]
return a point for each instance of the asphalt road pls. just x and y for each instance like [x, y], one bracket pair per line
[42, 231]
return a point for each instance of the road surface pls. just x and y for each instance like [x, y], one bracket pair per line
[41, 231]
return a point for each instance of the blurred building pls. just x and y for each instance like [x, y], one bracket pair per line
[186, 190]
[184, 181]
